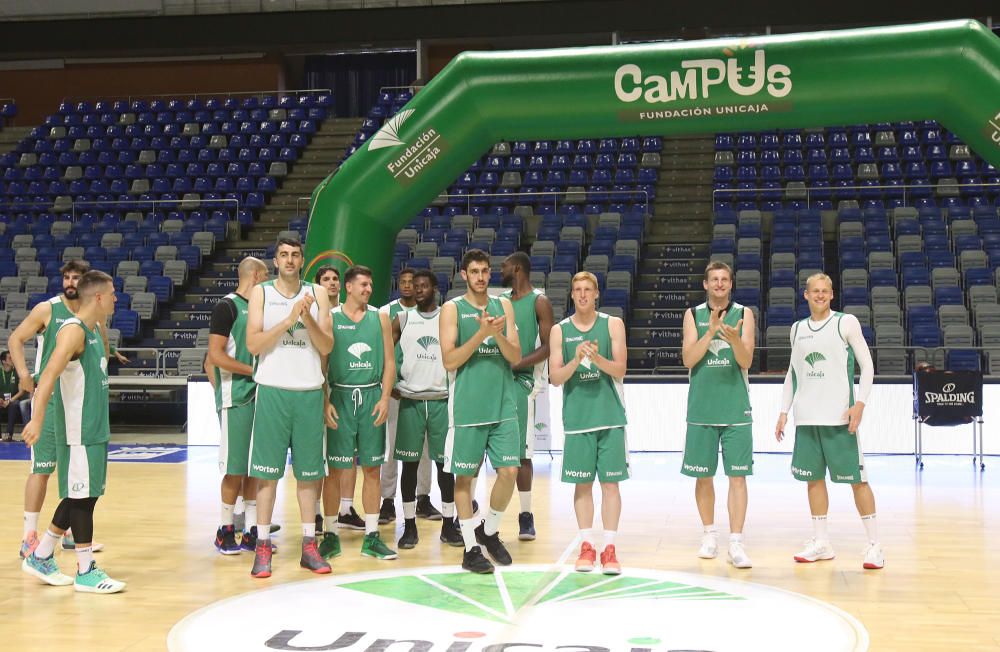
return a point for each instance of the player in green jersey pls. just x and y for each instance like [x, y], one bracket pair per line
[718, 345]
[533, 314]
[588, 358]
[235, 390]
[479, 344]
[76, 379]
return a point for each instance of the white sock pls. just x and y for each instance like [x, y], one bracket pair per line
[330, 524]
[319, 506]
[609, 537]
[251, 514]
[371, 523]
[587, 535]
[226, 516]
[448, 510]
[735, 537]
[47, 545]
[309, 529]
[711, 529]
[263, 531]
[525, 497]
[468, 532]
[345, 505]
[30, 523]
[409, 510]
[84, 557]
[239, 506]
[493, 518]
[819, 528]
[871, 527]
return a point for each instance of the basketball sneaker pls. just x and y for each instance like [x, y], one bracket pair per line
[329, 545]
[311, 558]
[474, 560]
[387, 512]
[319, 524]
[526, 526]
[588, 557]
[261, 560]
[451, 534]
[46, 570]
[225, 540]
[69, 544]
[425, 509]
[815, 550]
[373, 546]
[28, 544]
[874, 557]
[410, 537]
[97, 581]
[609, 562]
[248, 541]
[493, 545]
[709, 546]
[738, 556]
[351, 520]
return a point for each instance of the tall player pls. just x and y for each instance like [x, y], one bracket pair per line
[479, 345]
[820, 385]
[589, 357]
[74, 386]
[718, 349]
[235, 389]
[328, 277]
[533, 314]
[288, 329]
[361, 371]
[390, 470]
[422, 391]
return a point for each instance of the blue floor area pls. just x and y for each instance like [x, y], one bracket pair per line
[122, 453]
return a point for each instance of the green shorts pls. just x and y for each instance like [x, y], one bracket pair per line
[356, 433]
[818, 448]
[83, 470]
[525, 398]
[43, 453]
[596, 455]
[465, 447]
[420, 420]
[286, 419]
[701, 450]
[234, 447]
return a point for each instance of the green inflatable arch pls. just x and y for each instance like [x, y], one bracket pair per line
[949, 71]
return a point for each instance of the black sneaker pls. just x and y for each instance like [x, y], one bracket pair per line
[451, 534]
[409, 538]
[473, 560]
[274, 528]
[494, 545]
[387, 512]
[526, 521]
[225, 540]
[351, 520]
[319, 525]
[426, 510]
[475, 509]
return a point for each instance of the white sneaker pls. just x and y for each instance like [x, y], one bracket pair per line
[709, 546]
[815, 551]
[874, 558]
[738, 556]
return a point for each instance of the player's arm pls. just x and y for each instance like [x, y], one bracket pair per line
[787, 395]
[259, 340]
[559, 370]
[381, 411]
[506, 333]
[69, 344]
[742, 343]
[221, 326]
[851, 329]
[320, 330]
[329, 412]
[693, 348]
[209, 369]
[618, 364]
[33, 324]
[543, 313]
[453, 356]
[397, 330]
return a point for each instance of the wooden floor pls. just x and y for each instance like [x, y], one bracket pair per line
[940, 589]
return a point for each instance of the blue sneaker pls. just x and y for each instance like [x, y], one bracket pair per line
[225, 540]
[46, 570]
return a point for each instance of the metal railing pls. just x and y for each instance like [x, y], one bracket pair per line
[197, 95]
[151, 204]
[829, 192]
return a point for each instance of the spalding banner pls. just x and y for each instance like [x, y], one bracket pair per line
[948, 398]
[949, 71]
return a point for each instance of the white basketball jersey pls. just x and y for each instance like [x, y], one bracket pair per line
[422, 374]
[822, 366]
[293, 363]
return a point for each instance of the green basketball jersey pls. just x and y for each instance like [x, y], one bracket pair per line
[592, 400]
[719, 393]
[47, 338]
[481, 391]
[392, 309]
[358, 351]
[527, 334]
[234, 389]
[81, 395]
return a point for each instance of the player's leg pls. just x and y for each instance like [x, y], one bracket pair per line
[700, 461]
[737, 461]
[85, 479]
[408, 492]
[525, 474]
[503, 449]
[389, 477]
[329, 545]
[43, 463]
[809, 465]
[463, 455]
[348, 517]
[437, 431]
[271, 435]
[425, 508]
[40, 562]
[411, 425]
[234, 460]
[371, 441]
[847, 465]
[309, 465]
[580, 468]
[612, 467]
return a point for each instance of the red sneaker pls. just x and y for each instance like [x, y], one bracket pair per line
[609, 562]
[585, 562]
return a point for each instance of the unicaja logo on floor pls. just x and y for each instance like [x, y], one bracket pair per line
[542, 608]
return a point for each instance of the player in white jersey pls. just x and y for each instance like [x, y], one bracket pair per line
[288, 329]
[820, 385]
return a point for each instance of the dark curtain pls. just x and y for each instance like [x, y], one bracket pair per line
[357, 78]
